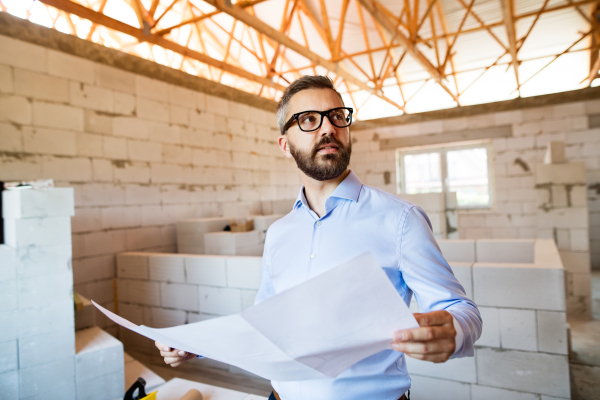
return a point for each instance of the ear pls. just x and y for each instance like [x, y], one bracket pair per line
[282, 141]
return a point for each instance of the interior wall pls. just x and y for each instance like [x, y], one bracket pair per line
[140, 153]
[515, 215]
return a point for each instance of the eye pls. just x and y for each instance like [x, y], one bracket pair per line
[307, 119]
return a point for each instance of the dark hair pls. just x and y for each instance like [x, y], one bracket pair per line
[300, 84]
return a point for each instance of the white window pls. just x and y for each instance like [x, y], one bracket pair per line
[466, 169]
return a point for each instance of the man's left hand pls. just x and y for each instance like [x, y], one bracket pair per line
[433, 341]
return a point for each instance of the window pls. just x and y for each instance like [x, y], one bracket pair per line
[464, 168]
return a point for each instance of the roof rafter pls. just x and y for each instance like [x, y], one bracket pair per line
[375, 9]
[509, 24]
[94, 16]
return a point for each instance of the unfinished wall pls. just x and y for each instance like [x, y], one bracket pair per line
[515, 160]
[141, 154]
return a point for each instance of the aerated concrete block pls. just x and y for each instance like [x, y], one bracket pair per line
[206, 270]
[9, 385]
[429, 202]
[138, 292]
[458, 250]
[8, 295]
[166, 268]
[133, 265]
[56, 377]
[42, 349]
[9, 357]
[505, 251]
[425, 388]
[106, 387]
[490, 334]
[220, 301]
[524, 371]
[552, 332]
[565, 218]
[179, 296]
[45, 318]
[38, 203]
[8, 267]
[489, 393]
[44, 290]
[244, 272]
[248, 298]
[568, 173]
[36, 261]
[164, 318]
[463, 272]
[555, 153]
[518, 329]
[8, 322]
[97, 354]
[457, 369]
[55, 231]
[263, 222]
[518, 286]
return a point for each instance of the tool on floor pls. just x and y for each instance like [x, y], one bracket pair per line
[140, 386]
[192, 395]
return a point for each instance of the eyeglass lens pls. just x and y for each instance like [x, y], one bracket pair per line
[310, 121]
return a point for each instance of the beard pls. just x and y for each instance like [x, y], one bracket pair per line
[323, 167]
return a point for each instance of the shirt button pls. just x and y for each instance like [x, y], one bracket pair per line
[319, 223]
[313, 255]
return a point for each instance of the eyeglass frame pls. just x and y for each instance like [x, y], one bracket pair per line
[294, 117]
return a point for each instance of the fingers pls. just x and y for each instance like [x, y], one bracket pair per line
[425, 333]
[423, 348]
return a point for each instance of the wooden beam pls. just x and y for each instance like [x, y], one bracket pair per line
[94, 16]
[243, 4]
[374, 8]
[338, 40]
[509, 25]
[281, 38]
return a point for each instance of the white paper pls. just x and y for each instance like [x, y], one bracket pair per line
[312, 331]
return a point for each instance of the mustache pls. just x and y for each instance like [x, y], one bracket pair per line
[327, 140]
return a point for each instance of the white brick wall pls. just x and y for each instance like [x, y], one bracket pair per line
[515, 215]
[125, 143]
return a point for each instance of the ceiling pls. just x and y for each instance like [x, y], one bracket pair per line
[387, 57]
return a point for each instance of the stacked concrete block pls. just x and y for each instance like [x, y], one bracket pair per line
[233, 243]
[564, 216]
[442, 210]
[522, 353]
[36, 307]
[99, 365]
[190, 233]
[206, 235]
[277, 206]
[186, 288]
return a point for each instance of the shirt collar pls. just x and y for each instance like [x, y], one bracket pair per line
[348, 189]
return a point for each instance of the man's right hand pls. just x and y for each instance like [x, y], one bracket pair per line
[173, 357]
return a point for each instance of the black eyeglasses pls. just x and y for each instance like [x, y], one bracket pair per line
[310, 121]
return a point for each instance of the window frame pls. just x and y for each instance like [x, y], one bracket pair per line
[443, 150]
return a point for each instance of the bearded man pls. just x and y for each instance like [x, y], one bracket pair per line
[336, 218]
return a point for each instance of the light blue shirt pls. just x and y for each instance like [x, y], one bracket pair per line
[357, 219]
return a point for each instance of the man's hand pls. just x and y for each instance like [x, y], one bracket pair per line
[173, 357]
[433, 341]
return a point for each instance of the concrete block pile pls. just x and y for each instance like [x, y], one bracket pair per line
[442, 210]
[43, 356]
[518, 286]
[207, 235]
[563, 215]
[162, 290]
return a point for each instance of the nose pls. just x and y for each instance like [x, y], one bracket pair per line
[327, 128]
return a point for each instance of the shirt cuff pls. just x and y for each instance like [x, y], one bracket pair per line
[460, 337]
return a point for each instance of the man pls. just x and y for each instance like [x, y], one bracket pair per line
[336, 218]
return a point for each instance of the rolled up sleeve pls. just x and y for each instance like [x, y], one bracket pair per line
[428, 275]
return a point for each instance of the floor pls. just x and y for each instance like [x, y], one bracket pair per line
[584, 362]
[585, 351]
[194, 371]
